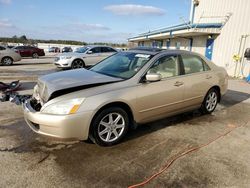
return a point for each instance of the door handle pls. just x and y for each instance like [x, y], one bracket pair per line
[178, 83]
[208, 76]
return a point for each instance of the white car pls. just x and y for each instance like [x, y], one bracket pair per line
[8, 56]
[83, 56]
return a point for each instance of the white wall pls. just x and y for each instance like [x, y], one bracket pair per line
[228, 42]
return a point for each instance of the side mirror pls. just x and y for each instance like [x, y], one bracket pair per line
[153, 77]
[89, 52]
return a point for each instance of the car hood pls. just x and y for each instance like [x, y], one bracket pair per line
[57, 84]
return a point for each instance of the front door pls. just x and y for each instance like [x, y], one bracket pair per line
[209, 48]
[156, 99]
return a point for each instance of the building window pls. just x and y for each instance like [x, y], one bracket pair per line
[178, 45]
[157, 44]
[168, 43]
[141, 43]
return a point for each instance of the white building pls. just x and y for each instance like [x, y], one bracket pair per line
[218, 29]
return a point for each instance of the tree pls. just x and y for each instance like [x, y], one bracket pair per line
[23, 38]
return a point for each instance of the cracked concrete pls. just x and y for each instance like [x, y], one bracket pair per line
[31, 160]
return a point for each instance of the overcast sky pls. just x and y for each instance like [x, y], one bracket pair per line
[89, 21]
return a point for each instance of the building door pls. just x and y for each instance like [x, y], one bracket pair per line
[209, 48]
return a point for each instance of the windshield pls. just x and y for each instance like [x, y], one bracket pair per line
[81, 49]
[122, 65]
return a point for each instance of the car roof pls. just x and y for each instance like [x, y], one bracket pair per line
[91, 46]
[154, 51]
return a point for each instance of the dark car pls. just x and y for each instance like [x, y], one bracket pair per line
[9, 46]
[67, 49]
[54, 49]
[29, 51]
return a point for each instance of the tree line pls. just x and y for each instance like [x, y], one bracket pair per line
[24, 40]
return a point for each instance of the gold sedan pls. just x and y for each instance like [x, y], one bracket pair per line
[126, 89]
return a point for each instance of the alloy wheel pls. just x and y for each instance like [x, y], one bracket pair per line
[35, 55]
[211, 101]
[7, 61]
[111, 127]
[77, 64]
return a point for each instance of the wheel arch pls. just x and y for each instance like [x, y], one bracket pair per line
[120, 104]
[78, 58]
[6, 57]
[217, 88]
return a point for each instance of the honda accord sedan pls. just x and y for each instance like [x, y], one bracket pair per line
[126, 89]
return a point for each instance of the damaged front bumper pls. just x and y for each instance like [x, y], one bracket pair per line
[60, 126]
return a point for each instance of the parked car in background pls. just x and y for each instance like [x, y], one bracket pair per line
[8, 56]
[67, 49]
[129, 88]
[10, 46]
[83, 56]
[54, 49]
[29, 51]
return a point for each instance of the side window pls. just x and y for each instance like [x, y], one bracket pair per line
[2, 48]
[107, 49]
[19, 47]
[96, 50]
[111, 49]
[206, 67]
[167, 66]
[193, 64]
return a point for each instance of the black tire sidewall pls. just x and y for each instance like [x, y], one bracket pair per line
[203, 107]
[94, 136]
[83, 64]
[7, 58]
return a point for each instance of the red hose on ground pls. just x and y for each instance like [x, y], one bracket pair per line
[181, 154]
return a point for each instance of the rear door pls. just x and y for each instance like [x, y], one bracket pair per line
[21, 51]
[157, 99]
[107, 51]
[197, 76]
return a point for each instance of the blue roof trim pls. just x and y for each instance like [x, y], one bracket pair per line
[180, 27]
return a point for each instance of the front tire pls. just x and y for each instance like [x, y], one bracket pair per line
[7, 61]
[210, 102]
[77, 64]
[109, 126]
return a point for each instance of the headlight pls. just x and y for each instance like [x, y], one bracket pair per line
[65, 57]
[64, 107]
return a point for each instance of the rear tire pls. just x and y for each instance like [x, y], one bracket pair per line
[7, 61]
[35, 55]
[109, 126]
[210, 102]
[77, 64]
